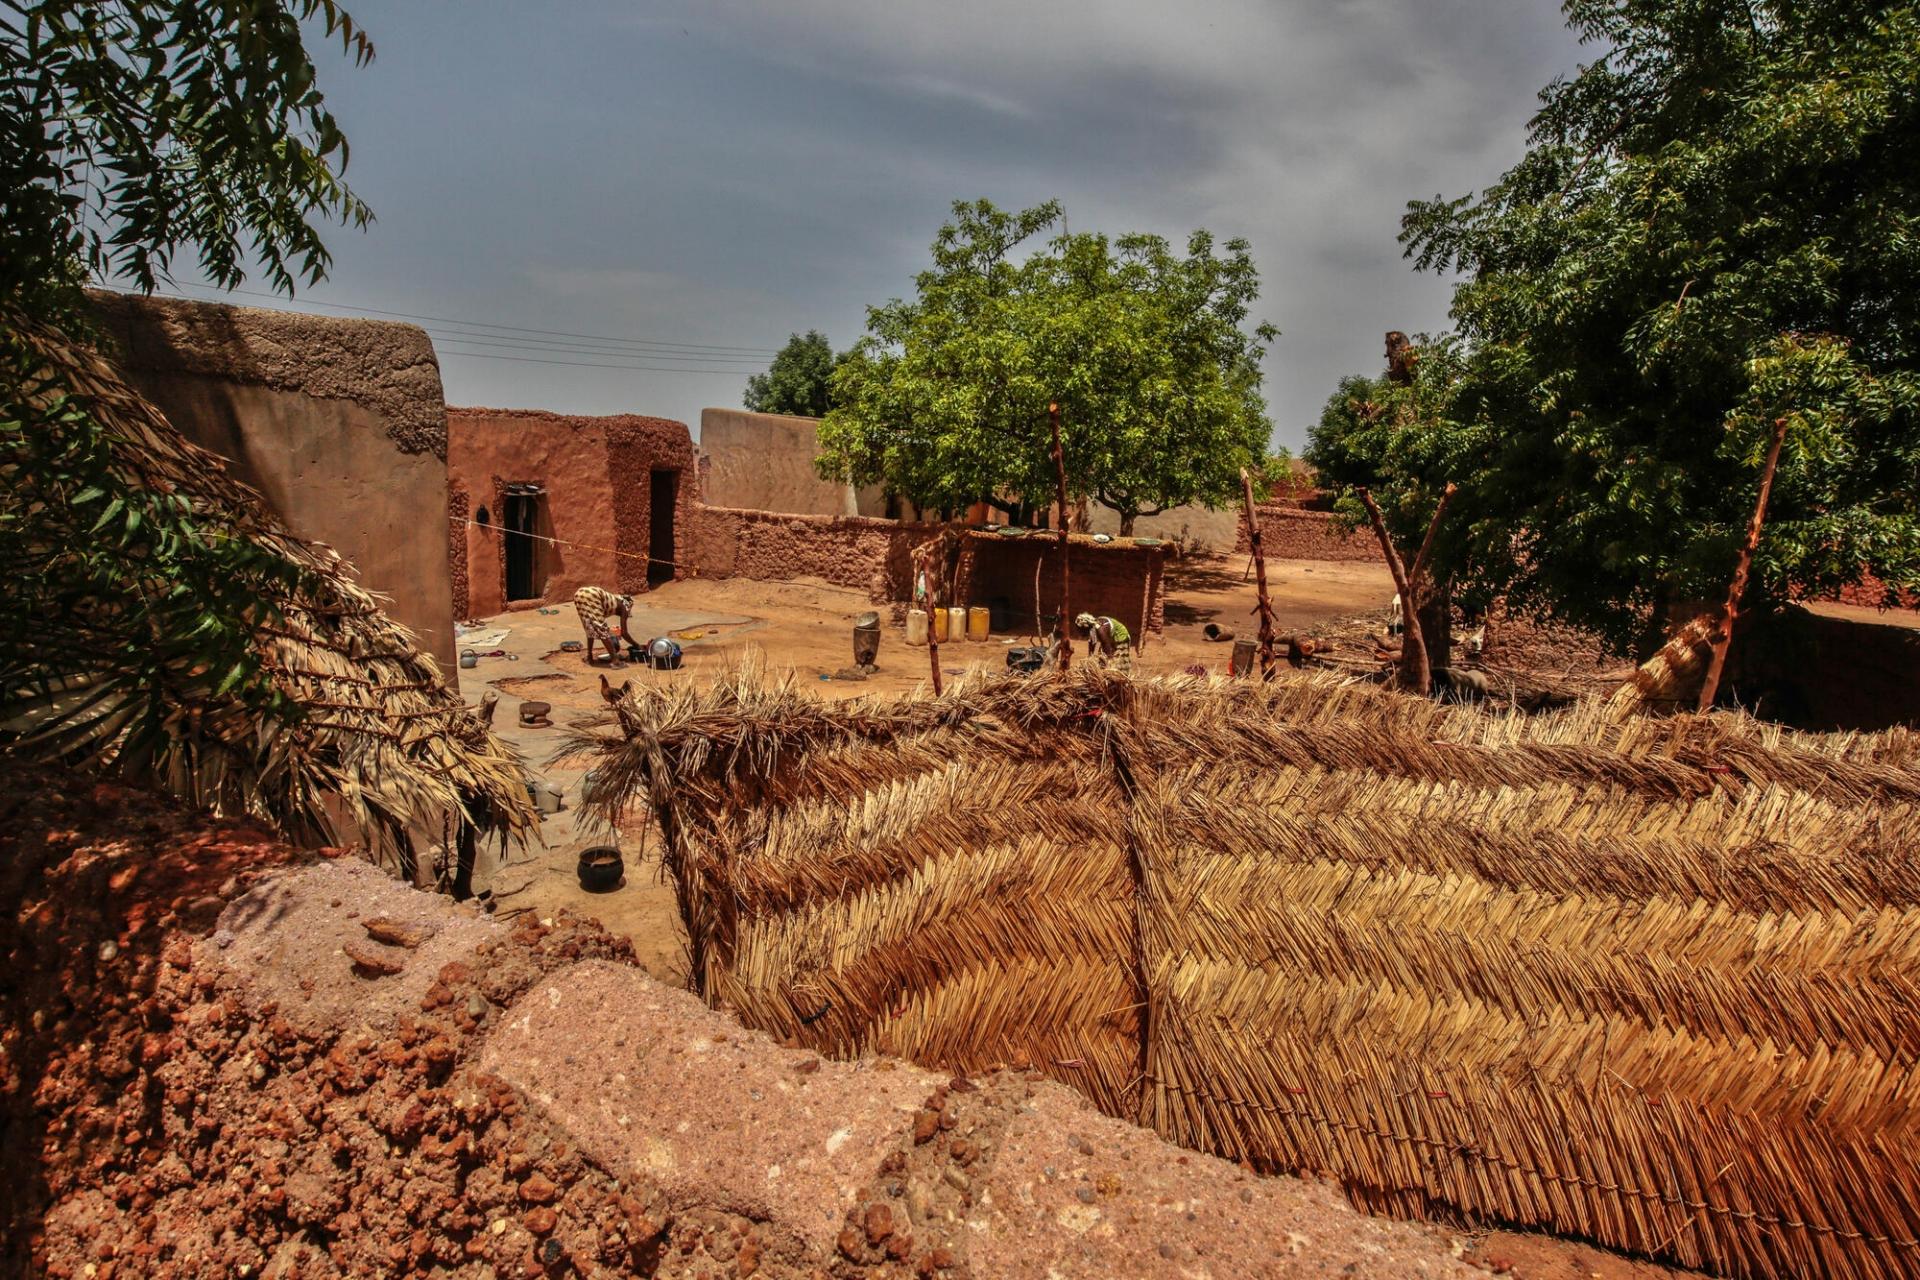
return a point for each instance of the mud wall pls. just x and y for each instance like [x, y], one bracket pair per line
[868, 554]
[1118, 580]
[596, 504]
[1196, 527]
[764, 462]
[1871, 593]
[1289, 532]
[339, 423]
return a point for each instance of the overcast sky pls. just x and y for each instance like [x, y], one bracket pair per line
[711, 175]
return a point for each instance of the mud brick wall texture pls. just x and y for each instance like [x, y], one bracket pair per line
[861, 552]
[1293, 533]
[1871, 593]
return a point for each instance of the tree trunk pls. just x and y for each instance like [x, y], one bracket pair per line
[467, 843]
[1126, 523]
[1436, 624]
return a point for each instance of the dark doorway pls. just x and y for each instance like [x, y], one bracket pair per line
[660, 552]
[519, 520]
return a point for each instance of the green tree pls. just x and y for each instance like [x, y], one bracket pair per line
[1398, 439]
[799, 381]
[1716, 225]
[945, 400]
[129, 132]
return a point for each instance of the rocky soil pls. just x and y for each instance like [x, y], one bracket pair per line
[222, 1058]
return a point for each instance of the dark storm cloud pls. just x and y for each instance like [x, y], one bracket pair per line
[725, 172]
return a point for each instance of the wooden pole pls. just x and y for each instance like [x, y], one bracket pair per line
[1723, 638]
[1060, 476]
[925, 570]
[1413, 674]
[1263, 607]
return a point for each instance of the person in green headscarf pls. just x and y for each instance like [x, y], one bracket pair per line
[1108, 641]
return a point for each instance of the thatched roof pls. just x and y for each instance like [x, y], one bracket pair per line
[378, 745]
[1648, 981]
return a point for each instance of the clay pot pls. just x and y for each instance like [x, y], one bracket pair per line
[601, 869]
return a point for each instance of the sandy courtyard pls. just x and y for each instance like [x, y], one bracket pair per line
[802, 629]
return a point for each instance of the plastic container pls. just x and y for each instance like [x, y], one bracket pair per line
[937, 626]
[1242, 662]
[916, 626]
[979, 623]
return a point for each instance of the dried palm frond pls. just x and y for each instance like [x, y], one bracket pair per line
[163, 624]
[1645, 981]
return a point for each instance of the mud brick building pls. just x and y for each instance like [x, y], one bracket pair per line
[541, 504]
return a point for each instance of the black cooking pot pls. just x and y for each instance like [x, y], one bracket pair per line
[601, 868]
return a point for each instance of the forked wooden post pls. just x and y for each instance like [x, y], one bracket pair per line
[1264, 608]
[1415, 673]
[1723, 638]
[1060, 476]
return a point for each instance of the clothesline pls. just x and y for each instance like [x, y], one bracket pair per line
[563, 542]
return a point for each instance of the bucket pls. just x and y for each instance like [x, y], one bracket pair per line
[1243, 651]
[978, 623]
[545, 796]
[916, 626]
[866, 640]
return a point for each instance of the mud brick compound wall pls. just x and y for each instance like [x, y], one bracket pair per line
[1291, 532]
[595, 507]
[861, 552]
[1119, 579]
[340, 424]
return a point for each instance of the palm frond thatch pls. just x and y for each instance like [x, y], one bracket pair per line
[350, 730]
[1645, 981]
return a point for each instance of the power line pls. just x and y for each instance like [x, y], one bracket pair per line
[747, 363]
[666, 347]
[580, 364]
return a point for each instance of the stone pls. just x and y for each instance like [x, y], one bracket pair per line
[370, 962]
[397, 934]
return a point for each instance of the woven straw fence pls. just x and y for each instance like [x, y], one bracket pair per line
[1648, 982]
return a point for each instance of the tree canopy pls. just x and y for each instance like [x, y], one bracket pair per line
[1713, 228]
[799, 381]
[129, 132]
[1144, 349]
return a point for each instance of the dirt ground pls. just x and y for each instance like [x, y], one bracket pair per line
[803, 629]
